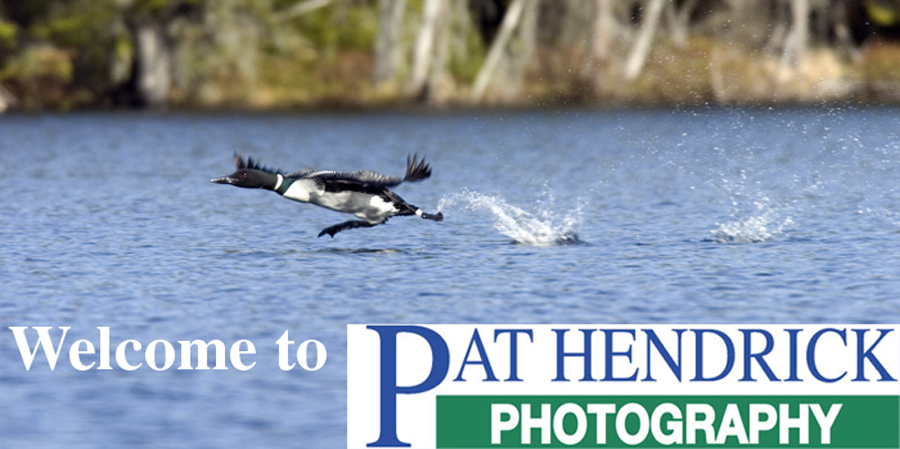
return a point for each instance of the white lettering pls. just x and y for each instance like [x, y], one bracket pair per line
[498, 424]
[303, 354]
[75, 354]
[601, 411]
[559, 424]
[237, 352]
[757, 425]
[825, 420]
[674, 426]
[44, 343]
[529, 423]
[786, 423]
[643, 423]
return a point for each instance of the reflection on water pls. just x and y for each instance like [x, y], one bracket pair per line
[361, 251]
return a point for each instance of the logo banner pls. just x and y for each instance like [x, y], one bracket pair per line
[476, 386]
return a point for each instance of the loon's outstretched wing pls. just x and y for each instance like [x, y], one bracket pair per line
[300, 174]
[362, 177]
[416, 170]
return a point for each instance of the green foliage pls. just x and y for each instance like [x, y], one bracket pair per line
[79, 25]
[37, 62]
[156, 8]
[467, 56]
[340, 27]
[39, 75]
[7, 34]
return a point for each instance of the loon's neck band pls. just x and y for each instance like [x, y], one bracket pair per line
[278, 184]
[283, 184]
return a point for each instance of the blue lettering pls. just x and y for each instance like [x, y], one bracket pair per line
[513, 349]
[608, 334]
[698, 350]
[749, 356]
[440, 357]
[792, 333]
[561, 355]
[653, 340]
[863, 354]
[482, 359]
[811, 354]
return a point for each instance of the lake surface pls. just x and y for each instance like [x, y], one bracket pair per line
[697, 216]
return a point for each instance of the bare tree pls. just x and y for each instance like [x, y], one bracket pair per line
[678, 20]
[795, 44]
[151, 69]
[603, 30]
[300, 9]
[425, 50]
[641, 48]
[435, 91]
[7, 99]
[511, 21]
[388, 50]
[841, 23]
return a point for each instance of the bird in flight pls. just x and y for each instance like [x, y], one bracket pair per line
[364, 193]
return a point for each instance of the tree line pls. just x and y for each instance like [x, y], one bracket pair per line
[64, 54]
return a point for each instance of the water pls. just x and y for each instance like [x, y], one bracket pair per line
[701, 216]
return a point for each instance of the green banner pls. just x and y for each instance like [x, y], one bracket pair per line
[668, 421]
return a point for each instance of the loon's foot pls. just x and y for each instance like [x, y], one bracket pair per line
[332, 230]
[437, 216]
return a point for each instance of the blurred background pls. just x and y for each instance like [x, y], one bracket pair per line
[284, 54]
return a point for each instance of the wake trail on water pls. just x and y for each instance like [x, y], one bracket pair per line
[544, 227]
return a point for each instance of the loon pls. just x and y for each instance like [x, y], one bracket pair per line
[363, 193]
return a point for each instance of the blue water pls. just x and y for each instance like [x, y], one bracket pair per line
[698, 216]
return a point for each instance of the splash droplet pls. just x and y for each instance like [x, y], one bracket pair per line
[545, 227]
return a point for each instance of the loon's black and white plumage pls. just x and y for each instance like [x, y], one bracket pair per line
[363, 193]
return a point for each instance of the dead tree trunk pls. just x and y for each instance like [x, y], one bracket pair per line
[498, 48]
[795, 44]
[388, 50]
[641, 49]
[678, 20]
[425, 51]
[603, 30]
[437, 88]
[300, 9]
[151, 69]
[7, 100]
[842, 35]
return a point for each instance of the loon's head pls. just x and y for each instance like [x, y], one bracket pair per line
[250, 178]
[250, 175]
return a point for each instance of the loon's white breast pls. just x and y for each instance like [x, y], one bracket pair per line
[369, 207]
[301, 189]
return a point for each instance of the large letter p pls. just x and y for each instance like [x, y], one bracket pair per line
[440, 356]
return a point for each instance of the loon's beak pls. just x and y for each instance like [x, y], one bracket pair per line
[223, 180]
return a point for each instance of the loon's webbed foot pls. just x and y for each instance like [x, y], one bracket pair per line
[437, 216]
[332, 230]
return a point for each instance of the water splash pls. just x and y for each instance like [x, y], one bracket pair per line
[545, 227]
[767, 222]
[755, 216]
